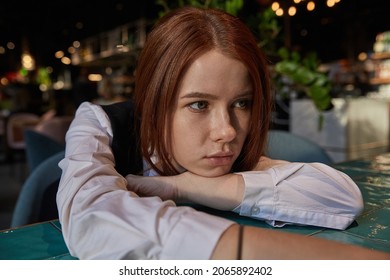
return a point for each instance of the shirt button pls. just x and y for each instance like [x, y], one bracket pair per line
[255, 210]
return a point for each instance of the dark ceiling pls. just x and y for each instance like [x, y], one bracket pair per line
[47, 26]
[57, 20]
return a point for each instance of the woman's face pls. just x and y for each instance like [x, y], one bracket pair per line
[211, 116]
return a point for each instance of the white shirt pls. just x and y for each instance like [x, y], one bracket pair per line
[101, 219]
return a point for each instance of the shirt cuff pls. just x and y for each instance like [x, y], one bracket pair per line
[259, 197]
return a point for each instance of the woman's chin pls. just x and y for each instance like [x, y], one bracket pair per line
[212, 172]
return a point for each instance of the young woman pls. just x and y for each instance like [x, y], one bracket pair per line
[195, 132]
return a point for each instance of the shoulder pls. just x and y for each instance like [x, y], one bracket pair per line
[88, 108]
[90, 116]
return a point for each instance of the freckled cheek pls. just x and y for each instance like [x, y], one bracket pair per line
[187, 145]
[191, 134]
[187, 134]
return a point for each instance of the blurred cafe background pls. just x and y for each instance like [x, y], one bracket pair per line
[329, 59]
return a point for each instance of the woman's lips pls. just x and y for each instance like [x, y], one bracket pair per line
[220, 159]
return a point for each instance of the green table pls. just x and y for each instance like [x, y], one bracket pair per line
[41, 241]
[44, 241]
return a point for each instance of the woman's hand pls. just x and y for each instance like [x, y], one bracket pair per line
[223, 192]
[162, 186]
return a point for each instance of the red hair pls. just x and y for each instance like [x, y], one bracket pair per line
[177, 40]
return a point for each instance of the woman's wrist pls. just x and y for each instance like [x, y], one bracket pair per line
[224, 192]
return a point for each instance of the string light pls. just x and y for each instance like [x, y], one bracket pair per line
[311, 6]
[292, 10]
[28, 61]
[280, 8]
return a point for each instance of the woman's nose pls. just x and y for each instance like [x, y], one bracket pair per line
[222, 128]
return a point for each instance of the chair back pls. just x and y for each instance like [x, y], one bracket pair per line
[37, 199]
[39, 147]
[287, 146]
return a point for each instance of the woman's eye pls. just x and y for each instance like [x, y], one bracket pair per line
[242, 104]
[198, 105]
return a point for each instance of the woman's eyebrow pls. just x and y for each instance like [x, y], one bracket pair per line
[202, 95]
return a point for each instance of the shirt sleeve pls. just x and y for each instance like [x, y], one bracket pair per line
[101, 219]
[301, 193]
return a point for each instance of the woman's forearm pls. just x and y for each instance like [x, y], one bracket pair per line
[223, 192]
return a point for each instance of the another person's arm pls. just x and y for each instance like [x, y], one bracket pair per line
[260, 243]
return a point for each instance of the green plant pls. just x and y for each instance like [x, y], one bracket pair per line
[268, 30]
[304, 75]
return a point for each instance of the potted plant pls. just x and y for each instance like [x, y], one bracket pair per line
[303, 76]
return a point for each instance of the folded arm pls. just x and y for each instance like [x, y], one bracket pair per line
[278, 192]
